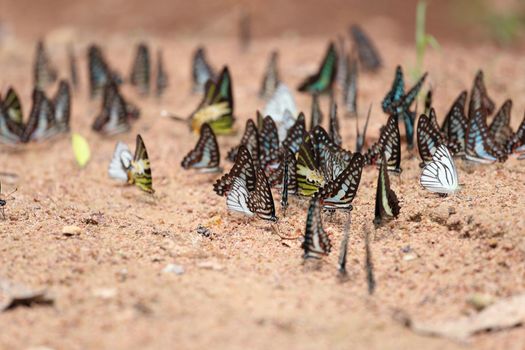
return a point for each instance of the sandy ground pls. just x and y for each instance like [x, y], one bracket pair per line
[245, 287]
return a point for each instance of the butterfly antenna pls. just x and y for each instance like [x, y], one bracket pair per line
[367, 119]
[166, 114]
[12, 192]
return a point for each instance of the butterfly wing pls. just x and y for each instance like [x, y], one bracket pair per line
[202, 71]
[62, 105]
[322, 81]
[260, 200]
[396, 92]
[368, 53]
[44, 72]
[120, 162]
[440, 175]
[243, 168]
[206, 154]
[387, 204]
[250, 139]
[500, 128]
[271, 77]
[480, 146]
[140, 170]
[140, 73]
[161, 80]
[316, 241]
[295, 135]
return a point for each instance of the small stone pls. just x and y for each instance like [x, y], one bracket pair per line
[173, 268]
[479, 301]
[71, 230]
[210, 265]
[409, 257]
[105, 293]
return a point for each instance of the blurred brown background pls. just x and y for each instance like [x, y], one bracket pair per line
[464, 21]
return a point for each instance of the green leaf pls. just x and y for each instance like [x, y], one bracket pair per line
[80, 149]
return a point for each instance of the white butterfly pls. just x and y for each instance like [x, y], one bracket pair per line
[121, 162]
[440, 175]
[281, 107]
[238, 197]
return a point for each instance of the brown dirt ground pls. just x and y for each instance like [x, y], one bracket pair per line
[246, 288]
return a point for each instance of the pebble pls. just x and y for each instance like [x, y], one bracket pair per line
[71, 230]
[174, 268]
[479, 301]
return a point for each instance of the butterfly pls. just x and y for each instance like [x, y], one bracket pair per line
[295, 135]
[246, 188]
[342, 64]
[387, 204]
[309, 175]
[361, 137]
[140, 72]
[368, 54]
[161, 80]
[516, 144]
[3, 202]
[480, 146]
[455, 124]
[44, 72]
[245, 34]
[42, 123]
[479, 99]
[202, 71]
[389, 143]
[205, 156]
[428, 102]
[500, 128]
[285, 179]
[271, 77]
[322, 81]
[332, 158]
[317, 114]
[62, 106]
[334, 124]
[440, 175]
[281, 107]
[113, 117]
[223, 185]
[73, 70]
[99, 73]
[134, 169]
[369, 265]
[428, 138]
[398, 102]
[250, 140]
[316, 240]
[268, 145]
[350, 86]
[216, 107]
[339, 193]
[12, 122]
[343, 250]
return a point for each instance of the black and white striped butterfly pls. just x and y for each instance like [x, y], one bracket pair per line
[479, 99]
[99, 72]
[202, 71]
[316, 117]
[368, 54]
[161, 78]
[387, 204]
[268, 145]
[335, 135]
[516, 143]
[500, 128]
[271, 77]
[249, 190]
[316, 241]
[339, 193]
[333, 159]
[113, 117]
[428, 138]
[42, 123]
[361, 136]
[455, 124]
[350, 86]
[390, 144]
[44, 72]
[141, 70]
[205, 156]
[73, 70]
[343, 250]
[480, 145]
[440, 175]
[295, 135]
[250, 139]
[62, 106]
